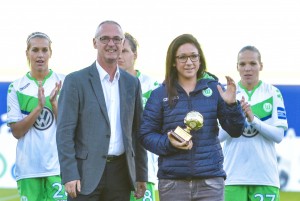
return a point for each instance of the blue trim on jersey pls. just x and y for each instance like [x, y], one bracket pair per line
[266, 118]
[25, 112]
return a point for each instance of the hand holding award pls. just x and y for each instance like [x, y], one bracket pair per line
[193, 121]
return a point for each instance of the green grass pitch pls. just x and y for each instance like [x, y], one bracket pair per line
[12, 195]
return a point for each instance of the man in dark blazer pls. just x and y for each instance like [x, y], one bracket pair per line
[99, 114]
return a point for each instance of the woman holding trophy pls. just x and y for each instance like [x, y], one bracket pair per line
[180, 124]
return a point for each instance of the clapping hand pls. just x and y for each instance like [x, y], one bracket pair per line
[55, 91]
[247, 109]
[229, 96]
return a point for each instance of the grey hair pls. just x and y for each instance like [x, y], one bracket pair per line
[106, 22]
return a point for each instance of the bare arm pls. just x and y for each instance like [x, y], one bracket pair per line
[20, 128]
[53, 97]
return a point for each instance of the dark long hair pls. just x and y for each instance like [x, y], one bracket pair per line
[171, 77]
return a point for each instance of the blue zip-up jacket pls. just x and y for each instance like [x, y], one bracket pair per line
[205, 159]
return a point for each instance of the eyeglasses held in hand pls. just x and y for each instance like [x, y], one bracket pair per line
[184, 58]
[106, 39]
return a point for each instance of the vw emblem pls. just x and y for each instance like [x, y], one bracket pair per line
[45, 120]
[250, 131]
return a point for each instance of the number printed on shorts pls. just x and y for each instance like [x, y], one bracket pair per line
[60, 193]
[268, 197]
[147, 196]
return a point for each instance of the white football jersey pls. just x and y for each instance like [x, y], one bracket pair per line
[148, 85]
[251, 159]
[36, 153]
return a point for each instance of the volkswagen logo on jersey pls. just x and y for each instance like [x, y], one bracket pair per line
[250, 131]
[45, 120]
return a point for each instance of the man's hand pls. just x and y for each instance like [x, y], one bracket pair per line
[140, 190]
[72, 187]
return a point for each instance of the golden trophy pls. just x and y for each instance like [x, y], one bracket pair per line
[193, 121]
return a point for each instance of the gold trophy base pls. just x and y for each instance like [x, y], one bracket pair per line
[181, 135]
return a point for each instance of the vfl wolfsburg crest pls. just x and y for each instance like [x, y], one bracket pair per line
[24, 198]
[45, 120]
[207, 92]
[267, 107]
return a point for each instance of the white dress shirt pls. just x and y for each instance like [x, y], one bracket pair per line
[112, 101]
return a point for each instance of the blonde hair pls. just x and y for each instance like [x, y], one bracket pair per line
[38, 35]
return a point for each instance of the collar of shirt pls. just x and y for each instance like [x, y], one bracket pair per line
[105, 76]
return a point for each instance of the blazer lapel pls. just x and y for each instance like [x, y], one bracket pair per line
[123, 89]
[97, 88]
[126, 98]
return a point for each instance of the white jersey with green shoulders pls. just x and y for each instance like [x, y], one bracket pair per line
[251, 159]
[36, 154]
[148, 85]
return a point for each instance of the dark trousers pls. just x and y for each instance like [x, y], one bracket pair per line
[114, 184]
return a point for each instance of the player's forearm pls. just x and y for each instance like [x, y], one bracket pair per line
[54, 109]
[273, 133]
[20, 128]
[223, 135]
